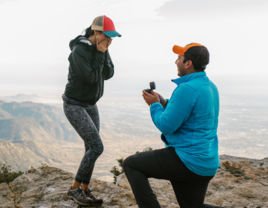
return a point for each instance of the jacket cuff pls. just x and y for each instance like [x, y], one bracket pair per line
[155, 105]
[164, 104]
[100, 55]
[100, 52]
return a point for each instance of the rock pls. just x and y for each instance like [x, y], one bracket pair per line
[6, 196]
[123, 182]
[247, 177]
[162, 189]
[46, 187]
[227, 190]
[163, 204]
[231, 205]
[264, 183]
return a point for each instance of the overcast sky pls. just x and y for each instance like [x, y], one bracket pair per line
[35, 35]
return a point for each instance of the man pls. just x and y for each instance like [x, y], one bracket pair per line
[188, 122]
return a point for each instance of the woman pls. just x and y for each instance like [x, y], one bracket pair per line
[90, 65]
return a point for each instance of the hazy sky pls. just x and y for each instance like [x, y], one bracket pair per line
[35, 35]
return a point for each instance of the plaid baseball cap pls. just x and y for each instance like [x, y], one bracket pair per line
[195, 52]
[106, 25]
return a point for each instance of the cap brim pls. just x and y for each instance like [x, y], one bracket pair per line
[112, 34]
[178, 50]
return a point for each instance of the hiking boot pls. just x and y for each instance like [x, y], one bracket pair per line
[79, 196]
[96, 201]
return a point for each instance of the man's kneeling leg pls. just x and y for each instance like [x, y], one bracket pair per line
[165, 164]
[136, 170]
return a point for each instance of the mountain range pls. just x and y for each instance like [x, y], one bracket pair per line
[34, 122]
[34, 133]
[20, 97]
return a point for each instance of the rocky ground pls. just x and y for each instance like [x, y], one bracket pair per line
[239, 183]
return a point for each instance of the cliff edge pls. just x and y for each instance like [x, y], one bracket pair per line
[240, 182]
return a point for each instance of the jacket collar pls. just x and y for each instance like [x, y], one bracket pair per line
[85, 40]
[188, 77]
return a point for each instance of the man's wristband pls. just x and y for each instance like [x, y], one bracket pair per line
[164, 103]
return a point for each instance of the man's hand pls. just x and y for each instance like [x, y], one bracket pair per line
[103, 46]
[150, 98]
[162, 100]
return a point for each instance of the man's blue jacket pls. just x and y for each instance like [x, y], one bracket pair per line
[189, 122]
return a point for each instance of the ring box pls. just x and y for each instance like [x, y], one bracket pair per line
[152, 87]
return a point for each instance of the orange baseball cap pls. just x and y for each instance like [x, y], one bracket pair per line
[195, 52]
[181, 50]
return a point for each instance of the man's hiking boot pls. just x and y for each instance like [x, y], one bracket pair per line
[96, 201]
[79, 196]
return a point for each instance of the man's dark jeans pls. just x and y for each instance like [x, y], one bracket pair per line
[190, 188]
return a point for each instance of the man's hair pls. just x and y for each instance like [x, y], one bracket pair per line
[199, 56]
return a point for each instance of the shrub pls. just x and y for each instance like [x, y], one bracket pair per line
[236, 172]
[118, 171]
[7, 175]
[145, 149]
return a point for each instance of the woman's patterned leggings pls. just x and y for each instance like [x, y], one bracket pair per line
[86, 122]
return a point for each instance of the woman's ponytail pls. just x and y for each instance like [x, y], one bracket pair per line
[89, 32]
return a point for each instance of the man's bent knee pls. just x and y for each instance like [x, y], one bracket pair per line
[127, 162]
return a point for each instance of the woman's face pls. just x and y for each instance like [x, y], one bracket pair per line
[100, 36]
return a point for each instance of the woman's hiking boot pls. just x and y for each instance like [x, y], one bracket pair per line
[96, 201]
[79, 196]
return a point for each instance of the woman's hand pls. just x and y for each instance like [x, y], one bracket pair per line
[103, 46]
[109, 42]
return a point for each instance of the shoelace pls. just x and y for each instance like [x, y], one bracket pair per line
[90, 193]
[81, 194]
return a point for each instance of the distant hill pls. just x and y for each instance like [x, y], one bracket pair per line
[24, 154]
[34, 121]
[4, 114]
[31, 133]
[33, 110]
[21, 97]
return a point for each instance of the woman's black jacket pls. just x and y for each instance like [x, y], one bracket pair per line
[87, 71]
